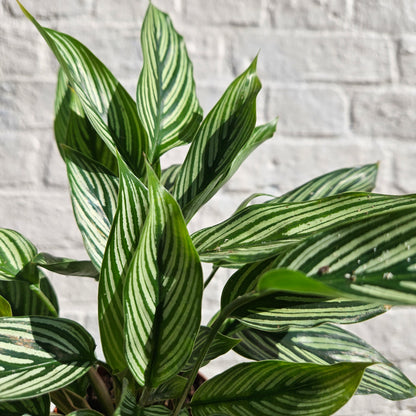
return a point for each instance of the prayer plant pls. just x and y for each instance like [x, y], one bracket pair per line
[329, 252]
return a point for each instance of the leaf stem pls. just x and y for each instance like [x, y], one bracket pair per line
[101, 390]
[212, 274]
[45, 300]
[222, 316]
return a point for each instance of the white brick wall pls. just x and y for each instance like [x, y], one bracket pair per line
[341, 75]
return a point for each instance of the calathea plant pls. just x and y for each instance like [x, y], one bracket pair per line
[329, 252]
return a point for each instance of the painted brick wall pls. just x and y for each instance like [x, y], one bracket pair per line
[341, 74]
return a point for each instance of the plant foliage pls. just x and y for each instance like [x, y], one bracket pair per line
[329, 252]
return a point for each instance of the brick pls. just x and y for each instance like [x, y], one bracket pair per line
[407, 59]
[314, 56]
[51, 9]
[405, 168]
[282, 164]
[26, 105]
[312, 15]
[384, 114]
[394, 16]
[44, 218]
[308, 111]
[19, 160]
[232, 12]
[54, 171]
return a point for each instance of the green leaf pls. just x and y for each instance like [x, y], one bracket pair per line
[73, 129]
[169, 176]
[108, 106]
[221, 345]
[67, 267]
[160, 411]
[327, 344]
[357, 179]
[264, 230]
[16, 254]
[37, 406]
[25, 301]
[272, 388]
[169, 390]
[122, 243]
[41, 354]
[166, 97]
[5, 308]
[85, 412]
[371, 260]
[94, 201]
[162, 297]
[220, 138]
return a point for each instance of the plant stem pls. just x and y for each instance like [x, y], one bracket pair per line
[212, 274]
[223, 315]
[101, 390]
[45, 300]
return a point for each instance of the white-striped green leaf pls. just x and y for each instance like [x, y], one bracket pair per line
[85, 412]
[327, 344]
[160, 411]
[358, 179]
[162, 297]
[263, 230]
[169, 175]
[108, 106]
[37, 406]
[67, 267]
[94, 201]
[169, 390]
[40, 354]
[5, 307]
[372, 260]
[25, 301]
[276, 388]
[16, 255]
[221, 345]
[73, 129]
[166, 97]
[122, 243]
[220, 138]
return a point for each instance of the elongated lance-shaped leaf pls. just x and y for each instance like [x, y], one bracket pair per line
[370, 260]
[108, 106]
[37, 406]
[171, 389]
[327, 344]
[5, 308]
[39, 354]
[220, 345]
[122, 243]
[73, 129]
[85, 412]
[24, 301]
[263, 230]
[276, 388]
[169, 175]
[220, 138]
[159, 410]
[166, 96]
[94, 201]
[358, 179]
[163, 292]
[65, 266]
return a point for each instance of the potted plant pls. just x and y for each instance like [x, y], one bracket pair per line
[329, 252]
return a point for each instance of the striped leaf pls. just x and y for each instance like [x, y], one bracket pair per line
[327, 344]
[107, 105]
[122, 243]
[169, 175]
[85, 412]
[94, 201]
[24, 300]
[263, 230]
[372, 260]
[274, 388]
[166, 97]
[37, 406]
[5, 308]
[74, 130]
[162, 297]
[67, 267]
[221, 345]
[172, 389]
[358, 179]
[16, 255]
[160, 411]
[220, 138]
[41, 354]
